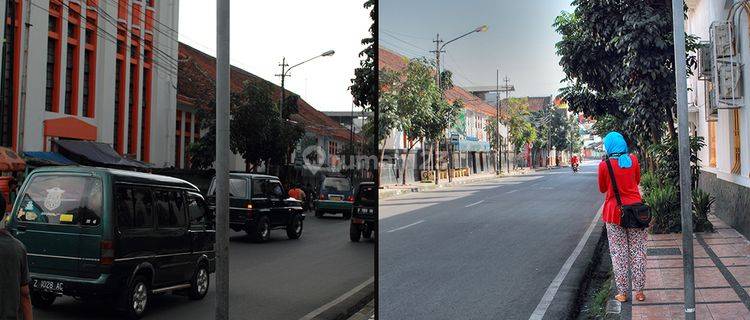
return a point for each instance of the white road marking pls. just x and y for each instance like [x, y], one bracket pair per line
[406, 226]
[549, 295]
[475, 203]
[511, 191]
[343, 297]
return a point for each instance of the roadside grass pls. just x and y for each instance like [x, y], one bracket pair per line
[598, 308]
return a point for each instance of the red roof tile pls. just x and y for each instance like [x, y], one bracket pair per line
[310, 118]
[389, 60]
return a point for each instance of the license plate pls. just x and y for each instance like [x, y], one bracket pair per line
[47, 285]
[336, 198]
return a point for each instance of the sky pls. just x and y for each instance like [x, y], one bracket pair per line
[262, 32]
[520, 40]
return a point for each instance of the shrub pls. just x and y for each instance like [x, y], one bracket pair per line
[649, 181]
[702, 202]
[665, 209]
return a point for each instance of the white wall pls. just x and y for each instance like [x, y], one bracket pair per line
[700, 16]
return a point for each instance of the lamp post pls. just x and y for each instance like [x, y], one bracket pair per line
[439, 46]
[285, 73]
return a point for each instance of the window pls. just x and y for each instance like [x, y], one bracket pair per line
[238, 188]
[50, 88]
[336, 185]
[120, 74]
[736, 151]
[86, 82]
[170, 208]
[712, 144]
[258, 191]
[134, 208]
[274, 189]
[69, 78]
[61, 199]
[197, 209]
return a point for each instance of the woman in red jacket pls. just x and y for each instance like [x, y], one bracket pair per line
[627, 173]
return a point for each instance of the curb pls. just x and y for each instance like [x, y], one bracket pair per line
[349, 306]
[566, 303]
[389, 193]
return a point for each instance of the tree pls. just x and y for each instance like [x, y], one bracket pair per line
[388, 119]
[363, 88]
[257, 134]
[520, 131]
[618, 59]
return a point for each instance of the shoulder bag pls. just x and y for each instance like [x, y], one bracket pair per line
[636, 215]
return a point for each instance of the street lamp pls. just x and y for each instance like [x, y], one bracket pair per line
[285, 73]
[438, 49]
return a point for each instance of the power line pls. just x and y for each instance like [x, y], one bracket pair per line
[460, 71]
[402, 49]
[109, 37]
[406, 42]
[405, 35]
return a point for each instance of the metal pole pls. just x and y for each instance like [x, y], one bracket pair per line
[437, 80]
[499, 158]
[684, 151]
[222, 159]
[283, 75]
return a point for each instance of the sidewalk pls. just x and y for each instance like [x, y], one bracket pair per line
[392, 190]
[722, 277]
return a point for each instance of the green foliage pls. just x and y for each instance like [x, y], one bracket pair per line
[649, 182]
[599, 305]
[255, 129]
[364, 84]
[520, 130]
[665, 208]
[618, 59]
[702, 202]
[667, 158]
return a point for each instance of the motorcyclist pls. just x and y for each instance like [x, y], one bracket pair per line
[574, 162]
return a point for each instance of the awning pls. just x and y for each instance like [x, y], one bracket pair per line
[40, 158]
[10, 161]
[95, 154]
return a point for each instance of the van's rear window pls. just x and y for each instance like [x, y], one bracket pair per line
[61, 199]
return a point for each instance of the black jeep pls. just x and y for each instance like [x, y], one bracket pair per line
[259, 204]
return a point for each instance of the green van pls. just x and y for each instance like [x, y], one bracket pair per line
[107, 233]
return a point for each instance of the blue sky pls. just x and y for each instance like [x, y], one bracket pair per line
[520, 40]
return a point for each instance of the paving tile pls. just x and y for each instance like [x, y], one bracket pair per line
[713, 295]
[724, 250]
[742, 274]
[729, 311]
[735, 261]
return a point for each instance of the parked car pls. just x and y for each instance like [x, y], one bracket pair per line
[258, 204]
[364, 212]
[97, 232]
[335, 197]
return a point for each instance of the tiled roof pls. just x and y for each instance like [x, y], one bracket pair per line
[389, 60]
[310, 118]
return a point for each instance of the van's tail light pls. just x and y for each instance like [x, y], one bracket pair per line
[322, 197]
[249, 210]
[107, 256]
[350, 198]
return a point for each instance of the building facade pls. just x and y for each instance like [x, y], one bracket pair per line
[471, 150]
[97, 70]
[718, 99]
[197, 71]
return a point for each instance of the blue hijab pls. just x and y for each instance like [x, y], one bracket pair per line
[615, 146]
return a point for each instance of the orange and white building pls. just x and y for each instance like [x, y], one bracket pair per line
[96, 70]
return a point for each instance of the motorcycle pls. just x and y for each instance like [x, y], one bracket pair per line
[575, 167]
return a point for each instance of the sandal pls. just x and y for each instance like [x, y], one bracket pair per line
[621, 297]
[640, 296]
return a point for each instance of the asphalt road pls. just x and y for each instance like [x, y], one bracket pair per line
[486, 250]
[280, 279]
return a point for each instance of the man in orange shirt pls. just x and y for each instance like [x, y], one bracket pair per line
[297, 193]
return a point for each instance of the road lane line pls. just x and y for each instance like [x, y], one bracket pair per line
[338, 300]
[475, 203]
[511, 191]
[406, 226]
[549, 295]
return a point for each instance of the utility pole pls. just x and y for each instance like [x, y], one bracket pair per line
[678, 24]
[283, 75]
[438, 50]
[222, 160]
